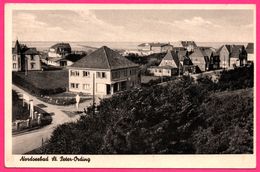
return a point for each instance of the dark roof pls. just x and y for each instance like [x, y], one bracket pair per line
[31, 51]
[250, 48]
[154, 44]
[61, 45]
[172, 55]
[163, 67]
[104, 58]
[188, 43]
[143, 44]
[236, 50]
[182, 54]
[178, 48]
[17, 48]
[198, 53]
[71, 57]
[208, 52]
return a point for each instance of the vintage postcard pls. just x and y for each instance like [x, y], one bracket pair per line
[130, 86]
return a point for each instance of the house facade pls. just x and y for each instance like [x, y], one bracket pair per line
[250, 52]
[103, 72]
[232, 56]
[169, 66]
[33, 59]
[25, 58]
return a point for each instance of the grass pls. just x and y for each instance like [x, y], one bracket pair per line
[46, 79]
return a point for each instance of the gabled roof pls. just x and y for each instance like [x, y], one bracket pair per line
[250, 48]
[182, 54]
[172, 55]
[198, 53]
[31, 51]
[208, 52]
[17, 48]
[236, 50]
[104, 58]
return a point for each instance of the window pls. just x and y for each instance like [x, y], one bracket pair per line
[14, 57]
[133, 71]
[86, 86]
[32, 65]
[125, 72]
[32, 57]
[115, 74]
[74, 73]
[101, 74]
[160, 71]
[74, 85]
[86, 74]
[14, 65]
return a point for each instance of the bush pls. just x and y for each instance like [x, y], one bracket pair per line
[179, 117]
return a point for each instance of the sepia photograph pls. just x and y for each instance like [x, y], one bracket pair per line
[119, 81]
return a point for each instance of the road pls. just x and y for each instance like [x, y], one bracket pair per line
[28, 141]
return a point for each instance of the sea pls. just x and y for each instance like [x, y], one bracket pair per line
[85, 46]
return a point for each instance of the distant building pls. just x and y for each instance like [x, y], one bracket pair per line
[232, 56]
[59, 50]
[167, 47]
[155, 47]
[144, 47]
[189, 45]
[103, 72]
[250, 52]
[25, 58]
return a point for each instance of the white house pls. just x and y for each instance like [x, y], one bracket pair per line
[103, 72]
[59, 50]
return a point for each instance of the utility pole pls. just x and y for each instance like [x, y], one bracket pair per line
[26, 66]
[93, 94]
[179, 68]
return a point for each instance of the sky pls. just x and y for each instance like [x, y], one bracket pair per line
[133, 25]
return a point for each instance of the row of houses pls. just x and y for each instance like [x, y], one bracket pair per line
[157, 47]
[28, 58]
[105, 71]
[201, 59]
